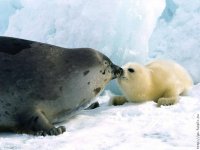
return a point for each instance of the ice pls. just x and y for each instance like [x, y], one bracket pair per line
[169, 11]
[7, 8]
[177, 35]
[120, 29]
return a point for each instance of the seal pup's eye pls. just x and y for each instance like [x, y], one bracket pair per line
[131, 70]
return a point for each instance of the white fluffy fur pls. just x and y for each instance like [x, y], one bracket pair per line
[161, 81]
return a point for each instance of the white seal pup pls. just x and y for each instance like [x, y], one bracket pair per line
[161, 81]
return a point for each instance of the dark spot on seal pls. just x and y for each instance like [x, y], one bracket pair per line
[97, 90]
[88, 83]
[86, 72]
[8, 104]
[13, 46]
[61, 88]
[7, 113]
[105, 80]
[103, 72]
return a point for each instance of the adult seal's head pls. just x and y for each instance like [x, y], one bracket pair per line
[42, 84]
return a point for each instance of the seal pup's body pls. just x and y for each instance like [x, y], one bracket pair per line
[161, 81]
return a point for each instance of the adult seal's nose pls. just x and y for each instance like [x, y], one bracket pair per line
[117, 71]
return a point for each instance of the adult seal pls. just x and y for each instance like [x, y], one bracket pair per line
[42, 84]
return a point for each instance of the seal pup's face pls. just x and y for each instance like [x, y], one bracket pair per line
[133, 80]
[131, 72]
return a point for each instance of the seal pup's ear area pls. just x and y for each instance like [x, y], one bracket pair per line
[35, 122]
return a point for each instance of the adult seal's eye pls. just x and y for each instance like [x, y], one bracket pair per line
[131, 70]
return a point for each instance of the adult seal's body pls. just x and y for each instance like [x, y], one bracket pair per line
[41, 84]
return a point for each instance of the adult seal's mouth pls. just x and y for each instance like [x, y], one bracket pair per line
[116, 71]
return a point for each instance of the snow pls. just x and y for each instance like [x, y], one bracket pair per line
[129, 126]
[131, 30]
[120, 29]
[7, 8]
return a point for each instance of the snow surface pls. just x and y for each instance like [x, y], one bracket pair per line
[125, 127]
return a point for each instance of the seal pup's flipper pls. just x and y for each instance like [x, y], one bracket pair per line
[118, 100]
[170, 97]
[35, 122]
[167, 101]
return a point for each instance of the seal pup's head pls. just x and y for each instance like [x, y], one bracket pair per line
[135, 77]
[132, 71]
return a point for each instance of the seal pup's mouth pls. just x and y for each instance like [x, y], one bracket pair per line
[122, 76]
